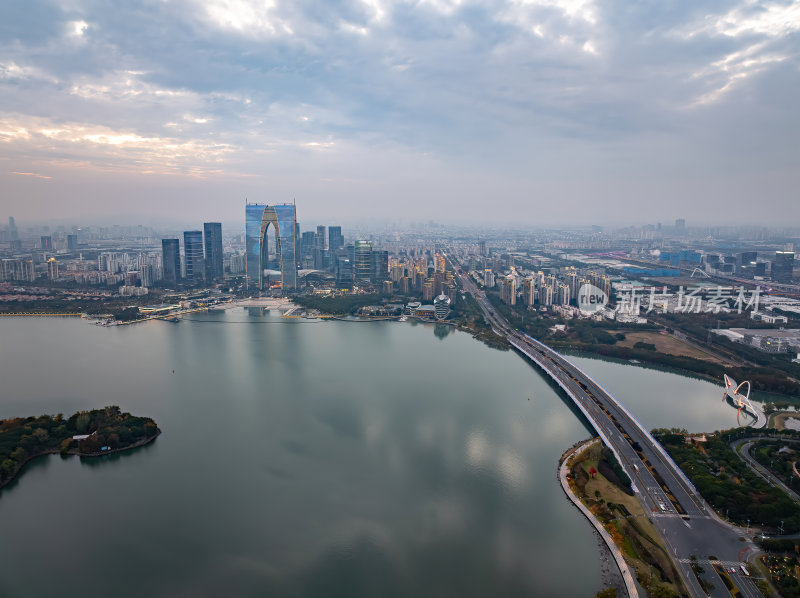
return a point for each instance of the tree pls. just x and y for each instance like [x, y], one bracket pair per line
[65, 445]
[7, 466]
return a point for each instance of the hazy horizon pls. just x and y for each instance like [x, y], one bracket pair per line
[523, 112]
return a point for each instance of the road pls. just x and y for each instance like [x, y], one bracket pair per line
[742, 448]
[688, 526]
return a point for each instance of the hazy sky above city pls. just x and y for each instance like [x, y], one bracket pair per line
[525, 111]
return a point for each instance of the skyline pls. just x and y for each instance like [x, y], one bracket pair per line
[546, 112]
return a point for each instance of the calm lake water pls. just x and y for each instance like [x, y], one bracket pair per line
[299, 458]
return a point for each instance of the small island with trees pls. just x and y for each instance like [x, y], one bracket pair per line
[86, 433]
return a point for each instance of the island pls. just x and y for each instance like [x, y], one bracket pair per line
[86, 433]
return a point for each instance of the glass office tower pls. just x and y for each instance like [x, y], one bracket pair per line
[362, 263]
[171, 259]
[193, 252]
[335, 239]
[212, 235]
[283, 218]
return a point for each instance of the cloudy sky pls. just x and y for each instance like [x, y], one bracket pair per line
[527, 111]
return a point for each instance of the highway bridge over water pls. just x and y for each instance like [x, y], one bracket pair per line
[688, 526]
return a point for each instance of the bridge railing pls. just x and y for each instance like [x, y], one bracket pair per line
[591, 419]
[656, 444]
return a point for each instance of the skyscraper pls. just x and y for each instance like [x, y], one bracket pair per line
[335, 239]
[307, 243]
[344, 270]
[13, 234]
[319, 248]
[171, 259]
[258, 218]
[362, 263]
[212, 236]
[47, 242]
[380, 266]
[193, 252]
[782, 266]
[72, 242]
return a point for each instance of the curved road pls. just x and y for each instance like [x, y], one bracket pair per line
[687, 524]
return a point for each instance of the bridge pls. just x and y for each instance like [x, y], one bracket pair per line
[687, 525]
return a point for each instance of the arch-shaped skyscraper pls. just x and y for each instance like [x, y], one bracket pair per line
[283, 218]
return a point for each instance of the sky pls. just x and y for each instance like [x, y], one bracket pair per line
[540, 112]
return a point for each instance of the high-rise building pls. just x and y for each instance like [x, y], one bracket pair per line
[344, 270]
[782, 266]
[319, 248]
[529, 291]
[47, 242]
[258, 218]
[362, 263]
[335, 239]
[488, 278]
[307, 242]
[380, 266]
[146, 275]
[545, 295]
[427, 290]
[72, 242]
[405, 285]
[508, 290]
[193, 252]
[419, 280]
[438, 263]
[212, 236]
[52, 268]
[396, 273]
[563, 294]
[171, 260]
[13, 234]
[482, 248]
[680, 223]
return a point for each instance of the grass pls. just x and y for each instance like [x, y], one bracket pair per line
[626, 521]
[665, 343]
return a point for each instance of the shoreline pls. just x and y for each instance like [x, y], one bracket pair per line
[75, 452]
[622, 565]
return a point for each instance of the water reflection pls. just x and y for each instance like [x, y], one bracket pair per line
[337, 459]
[442, 331]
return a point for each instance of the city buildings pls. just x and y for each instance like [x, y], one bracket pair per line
[258, 218]
[193, 256]
[362, 264]
[380, 266]
[171, 260]
[319, 248]
[212, 236]
[52, 269]
[782, 266]
[335, 239]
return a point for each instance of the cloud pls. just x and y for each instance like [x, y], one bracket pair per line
[33, 174]
[500, 90]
